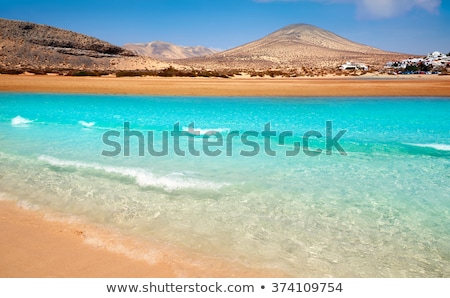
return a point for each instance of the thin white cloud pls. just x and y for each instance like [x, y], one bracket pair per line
[393, 8]
[375, 9]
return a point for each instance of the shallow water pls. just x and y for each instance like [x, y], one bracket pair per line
[379, 210]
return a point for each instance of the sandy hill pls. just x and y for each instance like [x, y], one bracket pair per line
[298, 45]
[167, 51]
[25, 45]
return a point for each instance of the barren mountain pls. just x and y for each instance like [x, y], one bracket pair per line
[295, 46]
[167, 51]
[25, 45]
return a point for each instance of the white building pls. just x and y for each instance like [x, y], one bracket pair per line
[353, 66]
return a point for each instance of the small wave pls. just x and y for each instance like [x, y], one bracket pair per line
[86, 124]
[205, 131]
[170, 182]
[19, 120]
[440, 147]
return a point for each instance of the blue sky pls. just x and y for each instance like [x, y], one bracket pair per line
[408, 26]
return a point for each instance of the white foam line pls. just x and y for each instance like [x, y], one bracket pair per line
[205, 131]
[440, 147]
[142, 177]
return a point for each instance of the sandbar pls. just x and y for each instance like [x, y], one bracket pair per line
[422, 86]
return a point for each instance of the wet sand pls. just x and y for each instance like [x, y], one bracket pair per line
[35, 245]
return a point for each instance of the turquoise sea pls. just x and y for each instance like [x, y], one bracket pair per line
[382, 209]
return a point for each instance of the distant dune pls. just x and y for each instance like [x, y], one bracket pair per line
[167, 51]
[298, 45]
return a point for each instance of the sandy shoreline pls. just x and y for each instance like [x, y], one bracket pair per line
[438, 86]
[34, 245]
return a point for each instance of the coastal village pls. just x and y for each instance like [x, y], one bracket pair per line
[433, 63]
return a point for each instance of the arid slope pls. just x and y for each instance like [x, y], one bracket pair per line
[296, 46]
[25, 45]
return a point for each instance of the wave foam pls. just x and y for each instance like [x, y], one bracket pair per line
[86, 124]
[205, 131]
[170, 182]
[440, 147]
[19, 120]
